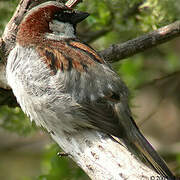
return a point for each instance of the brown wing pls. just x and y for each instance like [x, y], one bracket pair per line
[89, 80]
[65, 55]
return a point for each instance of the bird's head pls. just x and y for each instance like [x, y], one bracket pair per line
[50, 20]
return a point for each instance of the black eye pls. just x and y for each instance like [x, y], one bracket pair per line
[64, 16]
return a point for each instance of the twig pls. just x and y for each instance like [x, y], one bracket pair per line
[151, 114]
[117, 52]
[72, 3]
[9, 35]
[92, 36]
[132, 10]
[169, 78]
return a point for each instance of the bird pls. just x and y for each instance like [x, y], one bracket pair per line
[64, 85]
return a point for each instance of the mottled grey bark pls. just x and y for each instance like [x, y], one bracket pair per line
[102, 158]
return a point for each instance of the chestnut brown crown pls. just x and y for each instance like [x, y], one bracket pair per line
[36, 22]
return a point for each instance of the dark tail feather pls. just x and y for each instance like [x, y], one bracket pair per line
[139, 145]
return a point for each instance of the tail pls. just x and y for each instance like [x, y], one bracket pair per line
[137, 143]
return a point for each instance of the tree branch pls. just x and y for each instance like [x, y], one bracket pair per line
[117, 52]
[9, 35]
[102, 158]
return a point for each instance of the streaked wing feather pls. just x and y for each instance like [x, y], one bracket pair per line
[103, 117]
[66, 56]
[91, 82]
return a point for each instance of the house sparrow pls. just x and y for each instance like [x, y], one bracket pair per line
[65, 86]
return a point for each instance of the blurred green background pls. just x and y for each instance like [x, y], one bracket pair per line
[153, 77]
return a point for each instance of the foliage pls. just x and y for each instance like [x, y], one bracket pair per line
[60, 167]
[15, 120]
[124, 20]
[129, 18]
[7, 8]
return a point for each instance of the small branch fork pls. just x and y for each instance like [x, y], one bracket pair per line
[72, 3]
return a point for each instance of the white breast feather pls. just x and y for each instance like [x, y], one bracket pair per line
[26, 71]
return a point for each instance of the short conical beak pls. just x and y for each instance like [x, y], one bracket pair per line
[79, 16]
